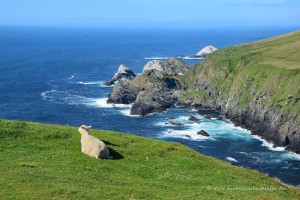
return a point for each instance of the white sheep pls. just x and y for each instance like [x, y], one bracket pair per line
[91, 145]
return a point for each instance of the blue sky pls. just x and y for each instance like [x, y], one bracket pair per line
[127, 13]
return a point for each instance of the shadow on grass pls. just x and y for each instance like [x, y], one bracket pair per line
[108, 143]
[114, 154]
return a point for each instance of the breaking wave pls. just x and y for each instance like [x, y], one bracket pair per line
[156, 58]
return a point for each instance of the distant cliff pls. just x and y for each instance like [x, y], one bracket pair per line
[255, 85]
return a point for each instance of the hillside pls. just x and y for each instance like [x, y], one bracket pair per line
[256, 85]
[41, 161]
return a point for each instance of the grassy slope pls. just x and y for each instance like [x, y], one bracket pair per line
[268, 68]
[39, 161]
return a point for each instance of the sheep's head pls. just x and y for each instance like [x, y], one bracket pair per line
[84, 129]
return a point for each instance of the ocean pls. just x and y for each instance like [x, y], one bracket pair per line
[56, 75]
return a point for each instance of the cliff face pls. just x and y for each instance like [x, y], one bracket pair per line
[256, 86]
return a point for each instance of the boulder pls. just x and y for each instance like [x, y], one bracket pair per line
[207, 117]
[193, 119]
[176, 124]
[123, 73]
[203, 133]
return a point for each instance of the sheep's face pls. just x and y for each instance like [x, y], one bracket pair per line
[84, 129]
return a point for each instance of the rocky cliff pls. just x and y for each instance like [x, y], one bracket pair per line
[155, 90]
[256, 86]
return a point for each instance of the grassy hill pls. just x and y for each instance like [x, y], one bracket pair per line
[39, 161]
[270, 66]
[256, 85]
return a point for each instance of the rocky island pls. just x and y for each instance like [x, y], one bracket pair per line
[254, 88]
[205, 51]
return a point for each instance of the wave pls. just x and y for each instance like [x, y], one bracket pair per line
[187, 131]
[156, 58]
[126, 112]
[99, 83]
[71, 77]
[292, 155]
[270, 146]
[102, 102]
[191, 58]
[91, 83]
[181, 57]
[184, 134]
[231, 159]
[65, 97]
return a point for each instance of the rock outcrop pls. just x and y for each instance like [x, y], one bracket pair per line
[171, 66]
[123, 73]
[203, 133]
[193, 119]
[206, 50]
[156, 90]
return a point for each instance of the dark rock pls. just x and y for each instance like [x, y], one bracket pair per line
[155, 100]
[123, 93]
[193, 118]
[176, 124]
[172, 118]
[123, 73]
[207, 117]
[187, 136]
[203, 133]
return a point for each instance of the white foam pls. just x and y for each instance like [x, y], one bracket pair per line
[65, 97]
[102, 102]
[91, 83]
[191, 58]
[71, 77]
[268, 145]
[126, 112]
[156, 58]
[185, 134]
[231, 159]
[45, 95]
[291, 155]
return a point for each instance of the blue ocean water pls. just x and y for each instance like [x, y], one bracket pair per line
[55, 75]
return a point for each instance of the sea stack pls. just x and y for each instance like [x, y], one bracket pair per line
[206, 50]
[123, 73]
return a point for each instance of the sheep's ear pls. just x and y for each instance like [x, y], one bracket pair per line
[83, 127]
[88, 127]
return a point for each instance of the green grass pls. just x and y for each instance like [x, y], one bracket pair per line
[39, 161]
[268, 68]
[202, 95]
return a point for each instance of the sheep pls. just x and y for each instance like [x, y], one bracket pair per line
[91, 145]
